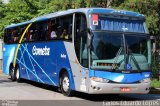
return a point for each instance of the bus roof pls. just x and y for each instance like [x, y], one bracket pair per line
[83, 10]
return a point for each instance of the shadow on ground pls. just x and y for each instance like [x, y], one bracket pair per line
[100, 97]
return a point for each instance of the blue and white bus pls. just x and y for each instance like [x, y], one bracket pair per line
[90, 50]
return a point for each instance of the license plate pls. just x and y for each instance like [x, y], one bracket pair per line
[125, 89]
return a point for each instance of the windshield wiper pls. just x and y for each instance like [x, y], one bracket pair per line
[117, 56]
[116, 59]
[134, 60]
[129, 54]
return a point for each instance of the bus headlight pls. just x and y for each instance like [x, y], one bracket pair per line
[97, 79]
[146, 80]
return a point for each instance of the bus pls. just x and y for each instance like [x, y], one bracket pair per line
[90, 50]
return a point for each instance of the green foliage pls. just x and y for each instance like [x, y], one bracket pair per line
[155, 83]
[1, 9]
[117, 3]
[18, 11]
[21, 10]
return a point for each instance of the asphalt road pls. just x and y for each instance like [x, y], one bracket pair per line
[29, 91]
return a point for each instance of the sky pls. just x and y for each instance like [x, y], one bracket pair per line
[5, 1]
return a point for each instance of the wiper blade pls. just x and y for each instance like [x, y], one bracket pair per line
[129, 54]
[135, 61]
[116, 59]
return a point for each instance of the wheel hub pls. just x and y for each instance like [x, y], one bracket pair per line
[65, 84]
[17, 74]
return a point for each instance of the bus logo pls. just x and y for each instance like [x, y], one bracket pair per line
[41, 51]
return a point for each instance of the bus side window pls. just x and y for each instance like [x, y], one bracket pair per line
[54, 27]
[32, 32]
[41, 31]
[7, 36]
[15, 35]
[66, 27]
[25, 38]
[44, 31]
[59, 28]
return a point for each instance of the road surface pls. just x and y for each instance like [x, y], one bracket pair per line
[29, 91]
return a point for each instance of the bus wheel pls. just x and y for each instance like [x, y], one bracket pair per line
[18, 77]
[12, 73]
[65, 85]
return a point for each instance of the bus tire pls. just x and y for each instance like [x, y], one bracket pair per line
[65, 85]
[12, 73]
[17, 75]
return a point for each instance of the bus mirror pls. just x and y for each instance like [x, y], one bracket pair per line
[89, 41]
[90, 37]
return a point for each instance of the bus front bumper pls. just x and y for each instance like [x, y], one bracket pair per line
[113, 88]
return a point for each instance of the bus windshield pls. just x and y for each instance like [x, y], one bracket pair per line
[108, 51]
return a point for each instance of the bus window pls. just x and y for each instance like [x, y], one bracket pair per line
[33, 31]
[22, 29]
[65, 27]
[15, 35]
[42, 30]
[59, 28]
[81, 39]
[64, 34]
[7, 36]
[53, 28]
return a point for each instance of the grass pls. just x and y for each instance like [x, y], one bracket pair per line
[155, 83]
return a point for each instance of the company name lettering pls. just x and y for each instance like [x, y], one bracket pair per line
[41, 51]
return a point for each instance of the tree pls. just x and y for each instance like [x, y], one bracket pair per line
[1, 9]
[17, 11]
[2, 15]
[21, 10]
